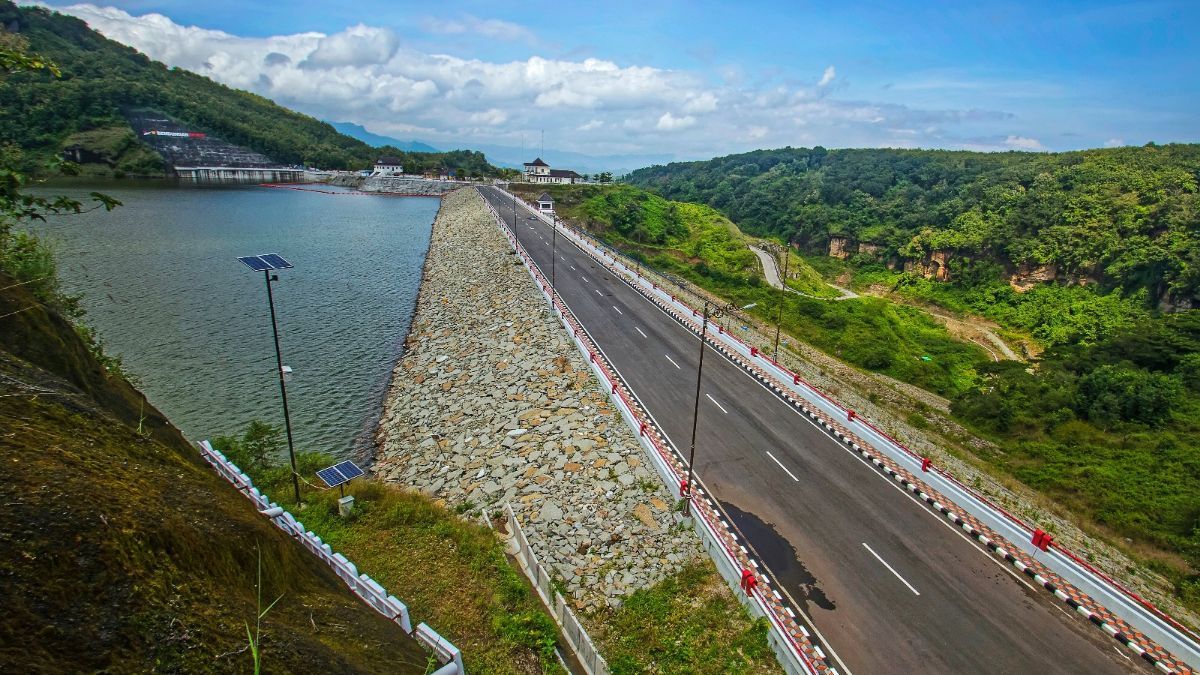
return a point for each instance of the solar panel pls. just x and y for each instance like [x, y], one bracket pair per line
[349, 469]
[342, 472]
[256, 263]
[276, 261]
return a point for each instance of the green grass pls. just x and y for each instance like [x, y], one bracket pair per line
[451, 573]
[115, 150]
[687, 623]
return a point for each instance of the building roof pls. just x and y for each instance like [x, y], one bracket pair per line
[563, 173]
[545, 197]
[389, 161]
[536, 162]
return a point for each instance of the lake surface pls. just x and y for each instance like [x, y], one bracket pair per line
[163, 286]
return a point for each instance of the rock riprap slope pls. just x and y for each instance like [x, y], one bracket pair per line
[492, 403]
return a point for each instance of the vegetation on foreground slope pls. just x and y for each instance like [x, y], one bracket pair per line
[42, 114]
[123, 552]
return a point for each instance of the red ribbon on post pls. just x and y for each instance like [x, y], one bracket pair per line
[850, 414]
[925, 462]
[685, 490]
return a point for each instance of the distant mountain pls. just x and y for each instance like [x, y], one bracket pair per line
[375, 140]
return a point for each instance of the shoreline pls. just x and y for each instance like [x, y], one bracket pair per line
[492, 404]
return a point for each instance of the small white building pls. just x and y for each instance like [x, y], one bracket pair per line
[388, 166]
[538, 171]
[545, 203]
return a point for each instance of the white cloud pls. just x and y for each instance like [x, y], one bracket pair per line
[1114, 142]
[368, 75]
[356, 46]
[827, 77]
[492, 28]
[669, 122]
[1023, 143]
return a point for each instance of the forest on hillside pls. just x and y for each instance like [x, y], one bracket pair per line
[1126, 218]
[100, 78]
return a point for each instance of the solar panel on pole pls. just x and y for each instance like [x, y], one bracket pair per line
[276, 261]
[256, 263]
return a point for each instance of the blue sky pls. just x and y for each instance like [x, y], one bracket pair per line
[697, 79]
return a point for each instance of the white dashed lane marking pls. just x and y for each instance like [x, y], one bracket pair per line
[781, 465]
[910, 586]
[719, 406]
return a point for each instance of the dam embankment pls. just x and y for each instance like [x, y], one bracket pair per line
[404, 185]
[492, 404]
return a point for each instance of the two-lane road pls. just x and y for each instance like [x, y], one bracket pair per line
[890, 585]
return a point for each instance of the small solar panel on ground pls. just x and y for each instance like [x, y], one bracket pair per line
[349, 469]
[342, 472]
[256, 263]
[276, 261]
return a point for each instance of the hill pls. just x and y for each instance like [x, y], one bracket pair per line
[101, 79]
[123, 552]
[1123, 219]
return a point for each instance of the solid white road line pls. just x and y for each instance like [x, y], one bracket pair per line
[910, 586]
[618, 311]
[672, 361]
[780, 464]
[640, 331]
[717, 404]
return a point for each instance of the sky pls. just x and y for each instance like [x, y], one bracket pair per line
[693, 80]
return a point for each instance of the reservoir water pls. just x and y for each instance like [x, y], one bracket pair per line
[163, 286]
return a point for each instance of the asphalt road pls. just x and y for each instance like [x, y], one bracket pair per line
[891, 586]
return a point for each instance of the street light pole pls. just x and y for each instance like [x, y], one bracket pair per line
[696, 413]
[787, 258]
[268, 263]
[287, 418]
[716, 313]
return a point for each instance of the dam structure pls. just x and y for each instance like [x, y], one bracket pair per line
[196, 156]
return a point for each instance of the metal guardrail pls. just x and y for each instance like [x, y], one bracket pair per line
[792, 642]
[581, 643]
[1146, 630]
[363, 586]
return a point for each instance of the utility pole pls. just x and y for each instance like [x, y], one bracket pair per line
[787, 258]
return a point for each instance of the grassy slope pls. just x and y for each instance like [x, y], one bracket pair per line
[122, 552]
[453, 573]
[685, 624]
[871, 333]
